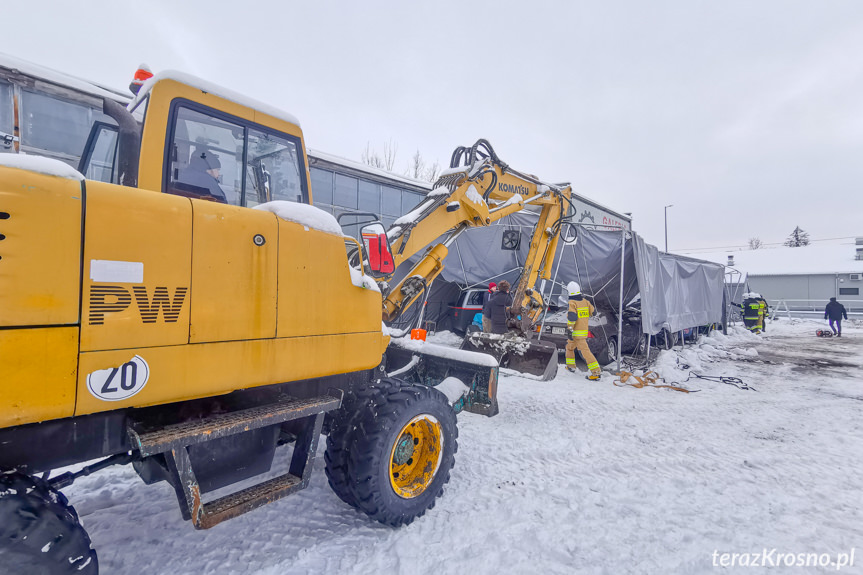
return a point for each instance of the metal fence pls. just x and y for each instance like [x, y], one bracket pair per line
[808, 308]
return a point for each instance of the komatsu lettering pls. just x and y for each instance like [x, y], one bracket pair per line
[512, 188]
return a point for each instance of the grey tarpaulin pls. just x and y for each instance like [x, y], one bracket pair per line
[593, 260]
[677, 292]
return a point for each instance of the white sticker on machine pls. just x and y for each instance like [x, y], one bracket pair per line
[118, 383]
[116, 272]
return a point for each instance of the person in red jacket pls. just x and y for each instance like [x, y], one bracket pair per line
[486, 310]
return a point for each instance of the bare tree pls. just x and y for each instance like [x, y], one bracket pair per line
[797, 238]
[371, 157]
[417, 167]
[432, 172]
[418, 170]
[755, 244]
[385, 161]
[390, 150]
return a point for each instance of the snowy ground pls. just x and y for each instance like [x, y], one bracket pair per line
[573, 476]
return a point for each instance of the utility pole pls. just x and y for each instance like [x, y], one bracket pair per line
[666, 226]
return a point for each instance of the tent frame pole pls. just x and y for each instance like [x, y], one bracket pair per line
[551, 289]
[620, 306]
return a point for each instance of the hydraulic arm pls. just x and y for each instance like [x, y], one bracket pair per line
[477, 190]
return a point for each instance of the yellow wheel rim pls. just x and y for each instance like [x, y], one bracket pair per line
[416, 456]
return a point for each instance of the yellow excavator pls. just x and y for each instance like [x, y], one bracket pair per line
[178, 305]
[477, 190]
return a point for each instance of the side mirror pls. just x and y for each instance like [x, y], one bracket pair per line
[377, 247]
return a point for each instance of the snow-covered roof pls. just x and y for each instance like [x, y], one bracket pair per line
[834, 257]
[41, 165]
[579, 198]
[360, 167]
[215, 89]
[61, 79]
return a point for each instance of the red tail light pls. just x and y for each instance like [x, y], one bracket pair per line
[590, 334]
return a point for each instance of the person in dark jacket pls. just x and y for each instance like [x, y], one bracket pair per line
[486, 317]
[202, 175]
[835, 311]
[498, 307]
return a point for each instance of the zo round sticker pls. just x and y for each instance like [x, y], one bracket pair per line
[118, 383]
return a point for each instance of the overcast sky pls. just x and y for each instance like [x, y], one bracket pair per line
[747, 116]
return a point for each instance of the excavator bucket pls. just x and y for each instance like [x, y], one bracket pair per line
[533, 357]
[468, 379]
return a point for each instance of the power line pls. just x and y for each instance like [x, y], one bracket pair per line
[746, 246]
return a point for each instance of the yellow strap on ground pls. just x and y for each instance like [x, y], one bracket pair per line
[647, 379]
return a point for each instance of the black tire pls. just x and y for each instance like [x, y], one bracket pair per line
[39, 531]
[341, 437]
[611, 351]
[642, 348]
[359, 455]
[668, 339]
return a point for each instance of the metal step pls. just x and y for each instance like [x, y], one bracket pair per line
[174, 441]
[221, 425]
[235, 504]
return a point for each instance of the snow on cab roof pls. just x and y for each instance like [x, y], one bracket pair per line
[211, 88]
[41, 165]
[834, 257]
[59, 78]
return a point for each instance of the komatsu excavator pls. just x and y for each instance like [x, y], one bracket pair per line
[149, 316]
[478, 190]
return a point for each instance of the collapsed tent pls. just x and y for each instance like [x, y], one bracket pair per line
[676, 292]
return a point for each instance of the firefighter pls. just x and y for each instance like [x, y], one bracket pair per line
[576, 321]
[763, 311]
[750, 308]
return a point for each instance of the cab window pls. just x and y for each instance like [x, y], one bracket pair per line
[272, 170]
[222, 159]
[99, 160]
[6, 123]
[206, 158]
